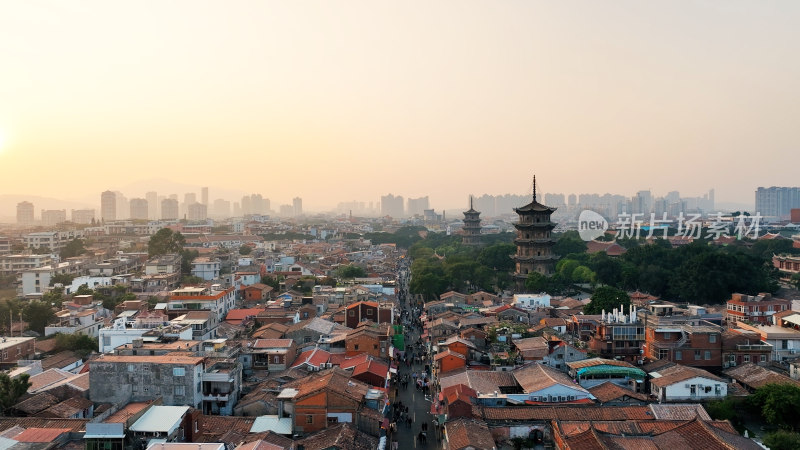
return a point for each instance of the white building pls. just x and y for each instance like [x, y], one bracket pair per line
[206, 268]
[532, 301]
[681, 383]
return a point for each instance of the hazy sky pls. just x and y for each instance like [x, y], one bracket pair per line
[348, 100]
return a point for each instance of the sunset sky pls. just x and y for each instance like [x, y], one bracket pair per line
[348, 100]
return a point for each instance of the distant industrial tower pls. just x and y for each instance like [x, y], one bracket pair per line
[108, 206]
[25, 213]
[472, 226]
[534, 242]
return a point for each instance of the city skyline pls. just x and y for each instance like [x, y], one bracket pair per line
[416, 99]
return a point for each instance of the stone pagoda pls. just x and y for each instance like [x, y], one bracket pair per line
[534, 241]
[472, 226]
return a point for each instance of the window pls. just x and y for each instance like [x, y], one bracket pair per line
[178, 372]
[309, 419]
[663, 353]
[369, 312]
[199, 386]
[712, 338]
[666, 335]
[333, 420]
[179, 390]
[747, 358]
[276, 359]
[131, 367]
[306, 339]
[356, 346]
[374, 346]
[697, 354]
[708, 355]
[763, 358]
[693, 390]
[352, 313]
[678, 355]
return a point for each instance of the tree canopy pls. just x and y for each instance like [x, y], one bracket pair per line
[164, 242]
[607, 298]
[38, 314]
[351, 271]
[73, 248]
[778, 404]
[11, 389]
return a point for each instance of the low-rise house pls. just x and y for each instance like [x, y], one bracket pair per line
[532, 349]
[203, 324]
[215, 299]
[174, 377]
[456, 401]
[369, 311]
[310, 331]
[161, 422]
[322, 400]
[449, 360]
[256, 293]
[561, 353]
[374, 340]
[594, 371]
[343, 436]
[468, 434]
[205, 268]
[680, 383]
[611, 394]
[753, 377]
[273, 354]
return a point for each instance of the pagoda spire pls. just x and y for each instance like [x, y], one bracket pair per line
[534, 188]
[470, 201]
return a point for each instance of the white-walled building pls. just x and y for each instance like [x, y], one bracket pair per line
[206, 268]
[681, 383]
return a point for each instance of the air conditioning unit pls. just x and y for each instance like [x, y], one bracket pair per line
[733, 363]
[726, 365]
[792, 351]
[686, 386]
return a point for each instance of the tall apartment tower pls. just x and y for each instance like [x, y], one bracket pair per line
[108, 206]
[297, 205]
[534, 241]
[472, 226]
[25, 213]
[197, 211]
[169, 209]
[204, 196]
[152, 204]
[139, 209]
[51, 217]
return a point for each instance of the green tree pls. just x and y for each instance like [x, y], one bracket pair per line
[84, 290]
[164, 242]
[351, 271]
[73, 248]
[498, 257]
[568, 243]
[38, 314]
[779, 404]
[245, 250]
[79, 343]
[273, 281]
[607, 298]
[62, 278]
[54, 297]
[11, 389]
[782, 440]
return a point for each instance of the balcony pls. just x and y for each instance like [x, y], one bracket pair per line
[221, 377]
[754, 348]
[216, 397]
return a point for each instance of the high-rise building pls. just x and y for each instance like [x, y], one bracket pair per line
[204, 196]
[51, 217]
[392, 206]
[108, 206]
[534, 241]
[197, 211]
[82, 216]
[139, 209]
[472, 226]
[169, 209]
[777, 202]
[297, 206]
[222, 208]
[152, 204]
[25, 213]
[417, 206]
[122, 206]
